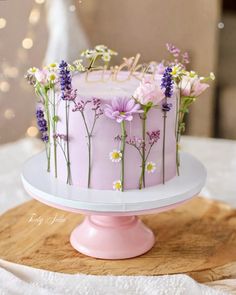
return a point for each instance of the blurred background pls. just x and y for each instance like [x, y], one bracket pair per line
[36, 31]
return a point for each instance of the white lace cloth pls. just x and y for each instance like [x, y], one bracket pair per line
[18, 279]
[219, 156]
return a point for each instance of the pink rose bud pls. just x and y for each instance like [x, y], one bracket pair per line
[192, 86]
[148, 91]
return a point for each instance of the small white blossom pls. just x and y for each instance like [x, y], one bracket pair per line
[117, 185]
[150, 167]
[101, 48]
[115, 156]
[78, 65]
[106, 57]
[32, 71]
[53, 67]
[177, 71]
[212, 76]
[89, 53]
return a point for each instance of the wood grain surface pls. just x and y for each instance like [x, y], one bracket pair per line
[198, 238]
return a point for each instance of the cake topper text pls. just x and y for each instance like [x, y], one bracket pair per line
[123, 72]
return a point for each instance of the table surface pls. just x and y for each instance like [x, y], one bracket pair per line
[218, 156]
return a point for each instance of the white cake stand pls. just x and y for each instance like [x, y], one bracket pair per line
[111, 228]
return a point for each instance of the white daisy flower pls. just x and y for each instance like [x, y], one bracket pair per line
[52, 77]
[115, 156]
[78, 65]
[150, 167]
[106, 56]
[117, 185]
[89, 53]
[32, 71]
[176, 71]
[101, 48]
[52, 67]
[212, 76]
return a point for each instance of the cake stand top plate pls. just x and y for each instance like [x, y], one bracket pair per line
[40, 185]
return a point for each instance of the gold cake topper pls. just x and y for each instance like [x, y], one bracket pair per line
[131, 66]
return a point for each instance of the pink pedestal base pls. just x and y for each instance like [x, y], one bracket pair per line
[112, 237]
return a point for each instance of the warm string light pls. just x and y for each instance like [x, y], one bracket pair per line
[27, 43]
[3, 23]
[221, 25]
[9, 114]
[40, 1]
[10, 71]
[34, 16]
[4, 86]
[32, 131]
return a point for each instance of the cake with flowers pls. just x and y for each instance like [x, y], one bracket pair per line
[114, 127]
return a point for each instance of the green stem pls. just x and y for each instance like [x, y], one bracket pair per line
[177, 153]
[142, 176]
[89, 160]
[89, 135]
[123, 138]
[49, 131]
[54, 133]
[177, 131]
[67, 144]
[163, 148]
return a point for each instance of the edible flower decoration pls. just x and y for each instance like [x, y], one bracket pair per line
[149, 94]
[150, 167]
[115, 156]
[122, 109]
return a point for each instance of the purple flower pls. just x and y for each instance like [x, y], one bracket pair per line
[67, 92]
[122, 109]
[42, 125]
[167, 82]
[175, 51]
[39, 113]
[185, 58]
[137, 142]
[166, 107]
[45, 137]
[153, 136]
[60, 136]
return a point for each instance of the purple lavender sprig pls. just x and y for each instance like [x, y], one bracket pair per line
[68, 95]
[65, 78]
[43, 128]
[42, 125]
[95, 107]
[166, 107]
[167, 84]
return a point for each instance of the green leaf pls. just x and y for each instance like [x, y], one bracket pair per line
[55, 118]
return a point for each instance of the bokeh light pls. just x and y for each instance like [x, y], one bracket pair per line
[39, 1]
[9, 114]
[3, 23]
[27, 43]
[34, 16]
[32, 131]
[4, 86]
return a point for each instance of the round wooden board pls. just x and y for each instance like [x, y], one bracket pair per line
[198, 238]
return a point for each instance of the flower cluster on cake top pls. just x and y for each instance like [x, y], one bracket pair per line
[159, 83]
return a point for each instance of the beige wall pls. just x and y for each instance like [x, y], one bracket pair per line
[19, 100]
[131, 26]
[128, 26]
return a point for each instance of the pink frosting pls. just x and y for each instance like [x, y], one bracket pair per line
[104, 172]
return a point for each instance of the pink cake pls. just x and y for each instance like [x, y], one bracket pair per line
[104, 172]
[116, 127]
